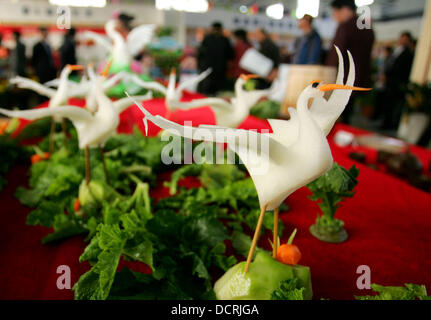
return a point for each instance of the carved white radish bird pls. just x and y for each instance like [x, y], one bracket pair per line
[122, 50]
[172, 92]
[94, 127]
[228, 113]
[68, 89]
[73, 89]
[57, 97]
[295, 154]
[82, 88]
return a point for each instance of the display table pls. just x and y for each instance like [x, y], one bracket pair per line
[388, 222]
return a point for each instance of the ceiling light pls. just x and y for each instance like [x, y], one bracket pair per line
[183, 5]
[243, 9]
[310, 7]
[361, 3]
[79, 3]
[275, 11]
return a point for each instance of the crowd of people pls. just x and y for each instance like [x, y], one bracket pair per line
[42, 59]
[393, 75]
[216, 52]
[223, 55]
[44, 64]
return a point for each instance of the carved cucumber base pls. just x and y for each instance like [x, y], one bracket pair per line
[325, 235]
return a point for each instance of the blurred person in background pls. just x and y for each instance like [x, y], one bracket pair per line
[269, 49]
[413, 44]
[382, 62]
[358, 41]
[18, 68]
[4, 52]
[242, 44]
[400, 62]
[68, 49]
[124, 23]
[309, 46]
[285, 55]
[4, 61]
[19, 60]
[147, 63]
[385, 58]
[397, 75]
[214, 52]
[42, 59]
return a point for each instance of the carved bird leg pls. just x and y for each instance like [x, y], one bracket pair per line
[275, 238]
[255, 238]
[87, 165]
[64, 127]
[51, 136]
[105, 168]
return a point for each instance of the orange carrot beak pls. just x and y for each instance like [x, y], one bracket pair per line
[106, 71]
[75, 67]
[247, 77]
[331, 87]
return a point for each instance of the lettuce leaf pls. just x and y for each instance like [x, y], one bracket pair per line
[288, 290]
[408, 292]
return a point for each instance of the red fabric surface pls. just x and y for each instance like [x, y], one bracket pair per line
[388, 223]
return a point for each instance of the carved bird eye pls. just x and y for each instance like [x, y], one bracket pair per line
[315, 84]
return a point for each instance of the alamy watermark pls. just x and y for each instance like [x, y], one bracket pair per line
[64, 281]
[251, 147]
[364, 18]
[364, 280]
[64, 18]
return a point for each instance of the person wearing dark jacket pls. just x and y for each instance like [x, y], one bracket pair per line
[309, 46]
[18, 56]
[359, 42]
[68, 49]
[396, 76]
[42, 59]
[18, 68]
[241, 46]
[400, 63]
[269, 49]
[214, 52]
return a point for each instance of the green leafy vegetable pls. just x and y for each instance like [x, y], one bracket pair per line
[55, 184]
[266, 109]
[179, 248]
[36, 129]
[122, 233]
[288, 290]
[224, 186]
[182, 244]
[45, 214]
[65, 227]
[330, 190]
[241, 243]
[408, 292]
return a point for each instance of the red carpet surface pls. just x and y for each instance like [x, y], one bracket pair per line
[388, 222]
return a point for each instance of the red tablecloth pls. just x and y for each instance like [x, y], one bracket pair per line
[388, 222]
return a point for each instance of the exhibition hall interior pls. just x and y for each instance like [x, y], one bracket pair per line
[215, 150]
